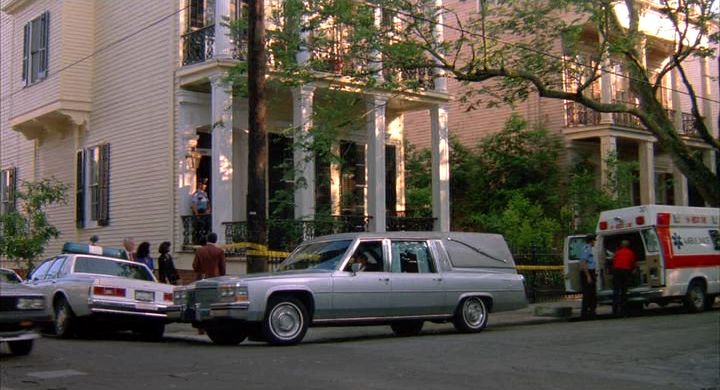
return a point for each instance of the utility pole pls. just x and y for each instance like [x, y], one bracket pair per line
[257, 140]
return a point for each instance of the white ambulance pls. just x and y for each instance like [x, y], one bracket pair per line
[677, 250]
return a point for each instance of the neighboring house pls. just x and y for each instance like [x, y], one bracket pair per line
[124, 102]
[590, 134]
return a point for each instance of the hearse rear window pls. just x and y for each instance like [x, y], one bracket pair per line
[464, 256]
[92, 265]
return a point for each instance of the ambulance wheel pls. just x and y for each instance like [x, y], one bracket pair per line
[695, 298]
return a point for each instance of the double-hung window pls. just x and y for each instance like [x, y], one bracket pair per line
[35, 49]
[8, 186]
[93, 186]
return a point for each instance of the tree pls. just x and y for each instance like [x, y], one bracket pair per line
[509, 50]
[26, 231]
[257, 137]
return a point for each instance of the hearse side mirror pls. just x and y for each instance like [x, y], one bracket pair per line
[355, 267]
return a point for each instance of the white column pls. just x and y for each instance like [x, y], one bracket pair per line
[222, 156]
[440, 147]
[303, 55]
[646, 155]
[187, 175]
[304, 162]
[440, 79]
[680, 188]
[709, 160]
[375, 158]
[375, 64]
[608, 176]
[223, 46]
[606, 80]
[676, 102]
[707, 95]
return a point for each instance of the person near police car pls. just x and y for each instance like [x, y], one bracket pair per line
[588, 279]
[209, 259]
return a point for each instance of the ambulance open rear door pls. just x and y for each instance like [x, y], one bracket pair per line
[571, 260]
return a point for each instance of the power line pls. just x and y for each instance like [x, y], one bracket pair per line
[109, 45]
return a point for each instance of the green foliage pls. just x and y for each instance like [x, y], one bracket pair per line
[586, 199]
[524, 224]
[418, 182]
[26, 231]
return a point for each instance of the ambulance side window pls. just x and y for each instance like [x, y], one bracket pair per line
[715, 237]
[651, 241]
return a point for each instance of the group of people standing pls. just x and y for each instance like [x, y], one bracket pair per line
[166, 271]
[209, 259]
[623, 263]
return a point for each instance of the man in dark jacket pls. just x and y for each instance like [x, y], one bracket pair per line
[209, 259]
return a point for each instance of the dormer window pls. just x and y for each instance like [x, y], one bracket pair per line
[35, 49]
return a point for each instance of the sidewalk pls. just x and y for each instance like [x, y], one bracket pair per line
[536, 313]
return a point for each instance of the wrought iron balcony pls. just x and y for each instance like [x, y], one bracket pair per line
[286, 234]
[198, 46]
[578, 115]
[195, 228]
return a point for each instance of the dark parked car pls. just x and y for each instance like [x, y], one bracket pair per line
[22, 310]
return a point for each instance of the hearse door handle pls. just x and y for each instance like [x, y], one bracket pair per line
[437, 279]
[384, 279]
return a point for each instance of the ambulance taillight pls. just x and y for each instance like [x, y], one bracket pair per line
[640, 220]
[603, 225]
[663, 219]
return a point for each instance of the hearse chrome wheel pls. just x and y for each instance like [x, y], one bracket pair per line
[471, 315]
[286, 321]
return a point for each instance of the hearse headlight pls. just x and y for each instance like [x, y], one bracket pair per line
[233, 293]
[31, 303]
[179, 295]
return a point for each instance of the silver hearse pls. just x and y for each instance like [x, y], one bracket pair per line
[399, 278]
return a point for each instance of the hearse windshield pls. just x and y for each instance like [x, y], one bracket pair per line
[319, 255]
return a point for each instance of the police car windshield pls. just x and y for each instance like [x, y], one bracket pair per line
[319, 255]
[94, 265]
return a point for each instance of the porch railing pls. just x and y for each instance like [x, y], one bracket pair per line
[285, 234]
[195, 228]
[578, 115]
[198, 45]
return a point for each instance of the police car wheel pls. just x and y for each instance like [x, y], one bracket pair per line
[64, 319]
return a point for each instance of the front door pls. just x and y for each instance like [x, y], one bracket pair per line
[366, 292]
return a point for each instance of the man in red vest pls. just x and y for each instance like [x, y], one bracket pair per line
[623, 264]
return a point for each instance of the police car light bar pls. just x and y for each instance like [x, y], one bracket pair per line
[86, 249]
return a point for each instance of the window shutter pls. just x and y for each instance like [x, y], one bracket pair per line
[80, 189]
[26, 52]
[104, 212]
[44, 44]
